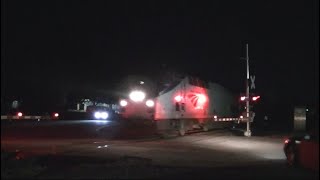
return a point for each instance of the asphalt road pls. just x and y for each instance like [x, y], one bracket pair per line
[215, 154]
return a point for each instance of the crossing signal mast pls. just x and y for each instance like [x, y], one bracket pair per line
[247, 97]
[248, 131]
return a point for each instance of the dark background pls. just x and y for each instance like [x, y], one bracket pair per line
[52, 48]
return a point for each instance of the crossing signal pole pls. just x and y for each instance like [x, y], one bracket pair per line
[248, 131]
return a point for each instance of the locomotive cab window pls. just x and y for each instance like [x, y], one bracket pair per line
[177, 106]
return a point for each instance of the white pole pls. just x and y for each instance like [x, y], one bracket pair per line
[248, 132]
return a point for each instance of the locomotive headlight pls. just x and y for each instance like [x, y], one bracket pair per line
[150, 103]
[123, 103]
[137, 96]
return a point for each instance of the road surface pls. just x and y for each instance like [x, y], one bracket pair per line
[214, 154]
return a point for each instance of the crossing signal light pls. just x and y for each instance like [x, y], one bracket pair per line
[19, 114]
[255, 98]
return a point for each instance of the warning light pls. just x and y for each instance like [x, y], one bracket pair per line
[243, 98]
[286, 141]
[178, 98]
[255, 98]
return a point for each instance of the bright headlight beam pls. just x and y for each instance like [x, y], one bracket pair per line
[123, 103]
[101, 115]
[100, 122]
[137, 96]
[150, 103]
[104, 115]
[97, 115]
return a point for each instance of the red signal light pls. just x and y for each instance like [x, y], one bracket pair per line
[255, 98]
[243, 98]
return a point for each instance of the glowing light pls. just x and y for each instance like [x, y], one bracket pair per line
[137, 96]
[97, 115]
[215, 117]
[255, 98]
[99, 147]
[101, 115]
[243, 98]
[123, 103]
[297, 142]
[201, 98]
[286, 141]
[104, 115]
[56, 114]
[178, 98]
[150, 103]
[241, 117]
[199, 101]
[19, 114]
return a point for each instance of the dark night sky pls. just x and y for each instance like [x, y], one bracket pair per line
[50, 45]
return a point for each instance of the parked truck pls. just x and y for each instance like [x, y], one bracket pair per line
[192, 104]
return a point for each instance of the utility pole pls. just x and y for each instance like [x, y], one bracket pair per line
[247, 132]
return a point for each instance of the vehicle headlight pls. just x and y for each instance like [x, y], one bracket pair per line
[104, 115]
[101, 115]
[97, 115]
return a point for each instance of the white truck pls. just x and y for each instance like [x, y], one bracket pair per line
[195, 104]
